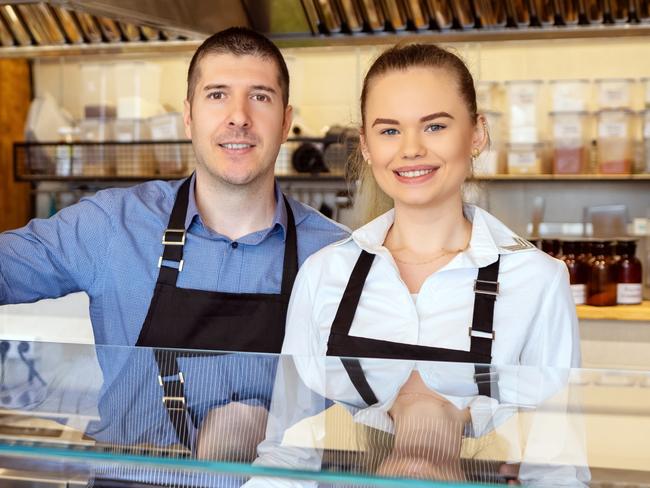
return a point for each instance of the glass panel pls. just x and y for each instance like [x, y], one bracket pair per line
[198, 418]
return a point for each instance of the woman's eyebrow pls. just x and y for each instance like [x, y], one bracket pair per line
[385, 121]
[435, 115]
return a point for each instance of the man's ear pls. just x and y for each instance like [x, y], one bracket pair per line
[286, 123]
[187, 118]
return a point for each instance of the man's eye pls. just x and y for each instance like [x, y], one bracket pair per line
[260, 97]
[216, 95]
[389, 132]
[434, 128]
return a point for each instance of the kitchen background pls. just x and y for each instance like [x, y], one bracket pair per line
[517, 181]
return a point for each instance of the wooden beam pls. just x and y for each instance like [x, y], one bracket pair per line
[15, 97]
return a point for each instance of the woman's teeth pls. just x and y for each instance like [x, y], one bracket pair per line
[414, 174]
[236, 146]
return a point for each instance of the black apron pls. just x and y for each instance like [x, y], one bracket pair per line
[342, 344]
[181, 318]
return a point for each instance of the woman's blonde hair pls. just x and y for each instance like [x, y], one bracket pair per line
[370, 200]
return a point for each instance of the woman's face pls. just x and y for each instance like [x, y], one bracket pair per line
[419, 136]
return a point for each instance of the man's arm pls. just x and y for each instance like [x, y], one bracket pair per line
[49, 258]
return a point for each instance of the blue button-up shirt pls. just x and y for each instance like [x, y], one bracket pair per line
[108, 246]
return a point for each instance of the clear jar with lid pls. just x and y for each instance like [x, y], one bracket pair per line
[578, 270]
[487, 96]
[68, 154]
[629, 274]
[525, 114]
[614, 92]
[601, 287]
[570, 142]
[525, 159]
[646, 139]
[570, 95]
[552, 247]
[615, 153]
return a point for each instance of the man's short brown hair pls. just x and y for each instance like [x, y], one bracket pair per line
[239, 41]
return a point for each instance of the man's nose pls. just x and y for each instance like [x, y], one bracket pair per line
[239, 116]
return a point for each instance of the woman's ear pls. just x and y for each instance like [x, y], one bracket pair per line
[481, 135]
[363, 146]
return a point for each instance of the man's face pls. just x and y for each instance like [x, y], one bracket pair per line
[236, 119]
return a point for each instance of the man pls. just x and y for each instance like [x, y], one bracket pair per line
[204, 263]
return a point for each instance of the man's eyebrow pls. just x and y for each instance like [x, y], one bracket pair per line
[436, 115]
[264, 88]
[214, 86]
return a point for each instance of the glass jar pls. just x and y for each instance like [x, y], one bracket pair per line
[525, 113]
[552, 247]
[615, 142]
[570, 95]
[614, 92]
[570, 142]
[578, 271]
[525, 159]
[629, 273]
[601, 287]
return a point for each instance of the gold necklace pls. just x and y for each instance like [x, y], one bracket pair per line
[442, 253]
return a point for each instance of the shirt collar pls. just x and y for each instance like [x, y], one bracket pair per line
[279, 218]
[489, 236]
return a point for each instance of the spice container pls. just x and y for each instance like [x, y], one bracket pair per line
[570, 95]
[570, 142]
[578, 271]
[490, 161]
[97, 159]
[68, 154]
[518, 13]
[552, 247]
[171, 158]
[137, 89]
[542, 12]
[614, 93]
[601, 287]
[487, 96]
[568, 12]
[629, 274]
[525, 159]
[524, 110]
[615, 152]
[593, 11]
[133, 159]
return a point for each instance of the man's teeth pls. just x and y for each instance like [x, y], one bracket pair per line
[236, 146]
[414, 174]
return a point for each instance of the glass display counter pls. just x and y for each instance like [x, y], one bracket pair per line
[80, 415]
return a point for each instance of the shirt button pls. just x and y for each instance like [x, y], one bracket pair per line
[234, 245]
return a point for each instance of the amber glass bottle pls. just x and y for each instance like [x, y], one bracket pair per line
[629, 274]
[578, 271]
[601, 287]
[551, 247]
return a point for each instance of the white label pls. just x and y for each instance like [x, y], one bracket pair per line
[124, 137]
[628, 293]
[612, 130]
[569, 97]
[614, 94]
[522, 158]
[579, 294]
[568, 129]
[521, 115]
[523, 135]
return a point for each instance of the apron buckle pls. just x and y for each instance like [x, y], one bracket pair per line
[486, 287]
[180, 263]
[481, 334]
[178, 242]
[174, 403]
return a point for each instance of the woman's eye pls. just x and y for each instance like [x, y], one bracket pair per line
[434, 128]
[216, 95]
[389, 132]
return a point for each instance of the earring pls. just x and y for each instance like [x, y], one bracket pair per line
[369, 162]
[475, 153]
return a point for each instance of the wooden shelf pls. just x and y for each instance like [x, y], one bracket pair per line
[549, 177]
[639, 313]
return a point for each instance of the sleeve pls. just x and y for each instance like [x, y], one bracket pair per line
[49, 258]
[555, 337]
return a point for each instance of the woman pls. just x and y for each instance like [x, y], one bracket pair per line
[432, 279]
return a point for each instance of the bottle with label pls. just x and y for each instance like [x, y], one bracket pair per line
[601, 287]
[551, 247]
[578, 271]
[629, 288]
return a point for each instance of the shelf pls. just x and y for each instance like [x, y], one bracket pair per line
[551, 177]
[640, 313]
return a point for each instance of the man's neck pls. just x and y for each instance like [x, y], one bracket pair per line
[235, 211]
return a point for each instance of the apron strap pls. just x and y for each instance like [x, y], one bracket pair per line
[174, 237]
[290, 265]
[358, 378]
[352, 295]
[486, 289]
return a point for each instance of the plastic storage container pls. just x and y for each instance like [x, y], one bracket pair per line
[133, 159]
[137, 90]
[615, 154]
[97, 160]
[570, 95]
[97, 90]
[490, 161]
[614, 93]
[171, 158]
[525, 159]
[570, 142]
[524, 110]
[646, 139]
[487, 96]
